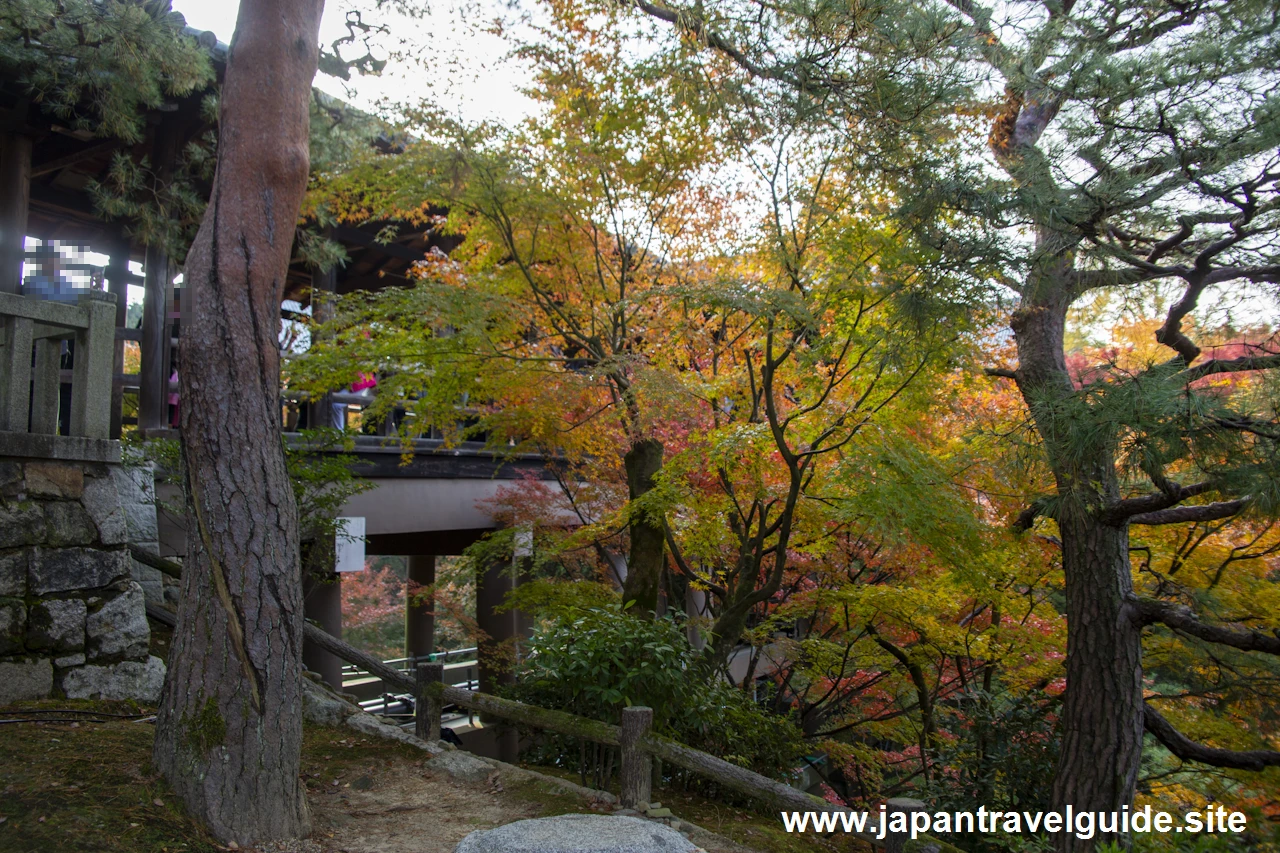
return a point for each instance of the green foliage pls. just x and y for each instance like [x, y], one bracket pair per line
[322, 479]
[1005, 746]
[161, 211]
[593, 662]
[98, 66]
[560, 600]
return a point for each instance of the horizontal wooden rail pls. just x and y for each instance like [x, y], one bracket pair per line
[531, 715]
[424, 685]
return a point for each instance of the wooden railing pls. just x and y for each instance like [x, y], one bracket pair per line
[33, 392]
[637, 743]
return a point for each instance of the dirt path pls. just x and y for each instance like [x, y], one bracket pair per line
[404, 808]
[399, 803]
[90, 788]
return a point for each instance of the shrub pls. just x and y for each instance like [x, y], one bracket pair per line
[595, 661]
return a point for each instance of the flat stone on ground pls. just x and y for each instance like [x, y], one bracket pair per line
[578, 833]
[462, 766]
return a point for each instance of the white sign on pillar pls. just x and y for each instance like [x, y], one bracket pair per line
[523, 545]
[350, 545]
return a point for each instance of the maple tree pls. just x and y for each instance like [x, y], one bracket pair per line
[1128, 149]
[791, 337]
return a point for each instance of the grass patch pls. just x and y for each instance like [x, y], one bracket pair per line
[88, 787]
[343, 756]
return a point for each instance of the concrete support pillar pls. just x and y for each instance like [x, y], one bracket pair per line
[695, 603]
[322, 603]
[419, 614]
[493, 582]
[15, 199]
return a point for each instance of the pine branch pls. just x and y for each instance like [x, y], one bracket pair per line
[1188, 750]
[1218, 366]
[1028, 516]
[1122, 511]
[1180, 618]
[1002, 373]
[690, 23]
[1202, 512]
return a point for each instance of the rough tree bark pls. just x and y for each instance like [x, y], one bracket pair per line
[646, 558]
[229, 728]
[1101, 740]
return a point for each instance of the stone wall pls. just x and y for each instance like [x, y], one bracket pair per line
[136, 485]
[72, 617]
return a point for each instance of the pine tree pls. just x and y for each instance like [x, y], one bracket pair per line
[1136, 145]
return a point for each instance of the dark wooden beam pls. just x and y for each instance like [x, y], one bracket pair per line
[59, 163]
[118, 283]
[347, 234]
[15, 201]
[153, 390]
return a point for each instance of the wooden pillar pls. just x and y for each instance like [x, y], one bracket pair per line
[636, 773]
[15, 199]
[522, 563]
[323, 283]
[427, 705]
[153, 378]
[493, 582]
[896, 842]
[419, 615]
[322, 603]
[695, 602]
[117, 274]
[153, 375]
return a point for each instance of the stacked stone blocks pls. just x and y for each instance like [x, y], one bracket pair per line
[72, 617]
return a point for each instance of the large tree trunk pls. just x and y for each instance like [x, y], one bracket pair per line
[648, 535]
[1102, 711]
[229, 728]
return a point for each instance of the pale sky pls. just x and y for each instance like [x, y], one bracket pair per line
[457, 67]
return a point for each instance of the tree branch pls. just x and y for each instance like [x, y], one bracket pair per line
[1219, 366]
[1124, 510]
[1188, 750]
[1201, 512]
[1180, 618]
[1028, 516]
[690, 23]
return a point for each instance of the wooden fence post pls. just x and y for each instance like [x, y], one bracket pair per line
[895, 842]
[636, 775]
[427, 707]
